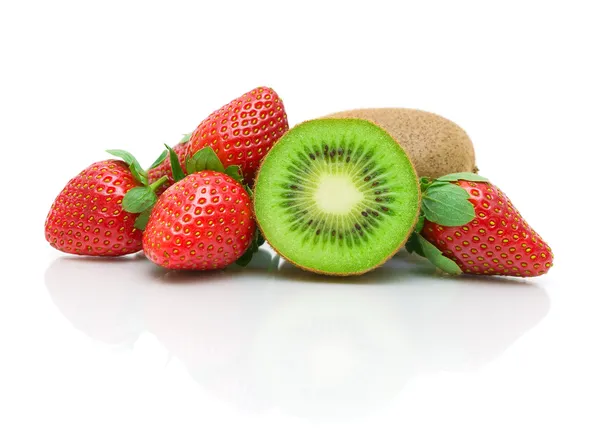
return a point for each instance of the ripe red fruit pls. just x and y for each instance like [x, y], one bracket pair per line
[203, 222]
[164, 168]
[497, 242]
[242, 132]
[87, 217]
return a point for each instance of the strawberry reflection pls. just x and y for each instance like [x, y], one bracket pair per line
[101, 297]
[275, 337]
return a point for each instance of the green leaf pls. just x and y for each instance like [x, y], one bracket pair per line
[235, 172]
[425, 182]
[176, 170]
[161, 158]
[260, 239]
[141, 177]
[447, 204]
[436, 257]
[245, 259]
[413, 245]
[128, 158]
[468, 176]
[257, 241]
[186, 138]
[420, 223]
[139, 199]
[205, 159]
[142, 220]
[249, 191]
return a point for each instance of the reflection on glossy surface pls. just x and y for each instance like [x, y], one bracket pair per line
[101, 297]
[272, 336]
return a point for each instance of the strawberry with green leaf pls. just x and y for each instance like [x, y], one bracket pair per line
[470, 226]
[97, 212]
[204, 221]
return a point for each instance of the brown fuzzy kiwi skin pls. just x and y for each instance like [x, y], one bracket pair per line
[435, 145]
[357, 273]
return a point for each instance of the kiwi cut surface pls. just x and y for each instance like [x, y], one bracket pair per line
[436, 145]
[337, 197]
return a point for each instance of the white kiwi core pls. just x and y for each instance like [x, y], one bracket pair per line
[337, 194]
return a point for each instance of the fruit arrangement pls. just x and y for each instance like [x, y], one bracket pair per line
[338, 195]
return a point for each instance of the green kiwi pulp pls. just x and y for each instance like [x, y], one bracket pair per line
[337, 196]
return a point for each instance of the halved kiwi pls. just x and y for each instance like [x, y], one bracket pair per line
[337, 196]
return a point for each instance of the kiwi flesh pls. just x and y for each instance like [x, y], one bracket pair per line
[337, 197]
[436, 146]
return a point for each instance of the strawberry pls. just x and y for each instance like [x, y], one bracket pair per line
[162, 166]
[202, 222]
[98, 212]
[475, 229]
[242, 132]
[87, 217]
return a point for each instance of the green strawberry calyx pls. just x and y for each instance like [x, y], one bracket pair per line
[206, 159]
[161, 158]
[203, 160]
[446, 204]
[186, 137]
[138, 200]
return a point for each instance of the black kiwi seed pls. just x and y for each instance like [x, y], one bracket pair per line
[371, 171]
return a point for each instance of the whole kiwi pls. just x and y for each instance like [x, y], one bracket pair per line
[435, 145]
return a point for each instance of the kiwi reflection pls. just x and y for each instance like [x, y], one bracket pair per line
[320, 347]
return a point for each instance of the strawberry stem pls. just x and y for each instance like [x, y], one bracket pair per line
[158, 183]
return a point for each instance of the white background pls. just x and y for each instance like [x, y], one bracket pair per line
[122, 350]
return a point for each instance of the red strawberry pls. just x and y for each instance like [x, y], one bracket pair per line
[203, 222]
[87, 217]
[243, 131]
[164, 166]
[498, 241]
